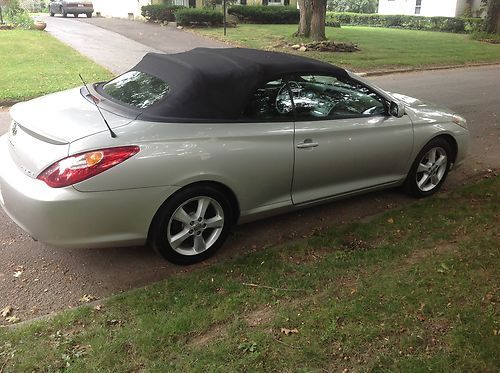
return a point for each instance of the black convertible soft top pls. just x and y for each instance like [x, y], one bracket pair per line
[216, 84]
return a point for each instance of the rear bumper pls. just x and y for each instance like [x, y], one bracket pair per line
[69, 218]
[79, 9]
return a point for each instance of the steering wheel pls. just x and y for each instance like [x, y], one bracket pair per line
[283, 100]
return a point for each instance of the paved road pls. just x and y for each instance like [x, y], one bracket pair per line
[52, 279]
[119, 44]
[167, 39]
[109, 49]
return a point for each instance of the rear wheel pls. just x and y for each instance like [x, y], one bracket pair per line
[75, 15]
[64, 14]
[89, 15]
[192, 225]
[51, 14]
[430, 169]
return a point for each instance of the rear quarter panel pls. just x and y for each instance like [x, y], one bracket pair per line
[255, 160]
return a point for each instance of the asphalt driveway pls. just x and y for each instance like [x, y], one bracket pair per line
[118, 44]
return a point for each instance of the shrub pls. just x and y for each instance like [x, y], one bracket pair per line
[198, 17]
[484, 36]
[265, 14]
[17, 16]
[160, 12]
[445, 24]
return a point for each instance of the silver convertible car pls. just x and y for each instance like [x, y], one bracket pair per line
[181, 147]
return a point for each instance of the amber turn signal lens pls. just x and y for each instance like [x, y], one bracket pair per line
[93, 158]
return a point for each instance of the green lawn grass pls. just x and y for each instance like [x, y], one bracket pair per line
[413, 290]
[381, 48]
[33, 63]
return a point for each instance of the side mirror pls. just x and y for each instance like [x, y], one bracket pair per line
[396, 109]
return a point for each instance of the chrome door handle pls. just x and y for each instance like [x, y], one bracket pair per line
[308, 143]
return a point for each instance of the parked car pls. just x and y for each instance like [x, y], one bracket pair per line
[191, 143]
[74, 7]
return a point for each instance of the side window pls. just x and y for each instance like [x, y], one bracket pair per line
[271, 102]
[317, 97]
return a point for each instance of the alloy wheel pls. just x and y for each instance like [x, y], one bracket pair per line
[431, 169]
[195, 225]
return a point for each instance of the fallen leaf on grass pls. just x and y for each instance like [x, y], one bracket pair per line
[421, 317]
[6, 311]
[98, 307]
[17, 274]
[390, 221]
[87, 298]
[289, 331]
[12, 319]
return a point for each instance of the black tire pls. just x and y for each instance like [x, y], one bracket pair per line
[64, 14]
[51, 14]
[75, 15]
[89, 15]
[197, 239]
[423, 183]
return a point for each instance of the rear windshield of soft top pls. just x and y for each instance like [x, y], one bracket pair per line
[137, 89]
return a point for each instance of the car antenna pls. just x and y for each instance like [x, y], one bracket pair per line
[113, 135]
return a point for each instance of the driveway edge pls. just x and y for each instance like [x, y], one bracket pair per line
[429, 68]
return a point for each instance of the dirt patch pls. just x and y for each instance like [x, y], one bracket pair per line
[259, 316]
[255, 318]
[214, 332]
[417, 256]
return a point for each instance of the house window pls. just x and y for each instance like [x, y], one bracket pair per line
[418, 6]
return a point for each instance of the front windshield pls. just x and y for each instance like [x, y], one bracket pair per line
[137, 89]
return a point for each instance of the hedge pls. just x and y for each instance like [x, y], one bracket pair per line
[265, 14]
[446, 24]
[198, 17]
[160, 12]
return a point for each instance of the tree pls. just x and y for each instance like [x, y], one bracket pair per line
[305, 8]
[312, 19]
[318, 20]
[491, 22]
[355, 6]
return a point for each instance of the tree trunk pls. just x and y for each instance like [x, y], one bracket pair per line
[318, 20]
[305, 18]
[492, 17]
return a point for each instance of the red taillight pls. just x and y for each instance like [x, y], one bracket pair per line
[79, 167]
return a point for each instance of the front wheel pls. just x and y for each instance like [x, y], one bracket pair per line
[430, 169]
[52, 14]
[192, 225]
[64, 14]
[89, 15]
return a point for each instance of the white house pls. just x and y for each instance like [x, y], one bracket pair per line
[119, 8]
[446, 8]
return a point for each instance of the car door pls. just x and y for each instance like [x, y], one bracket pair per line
[265, 169]
[344, 139]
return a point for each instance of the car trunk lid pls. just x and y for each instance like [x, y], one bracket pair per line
[43, 128]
